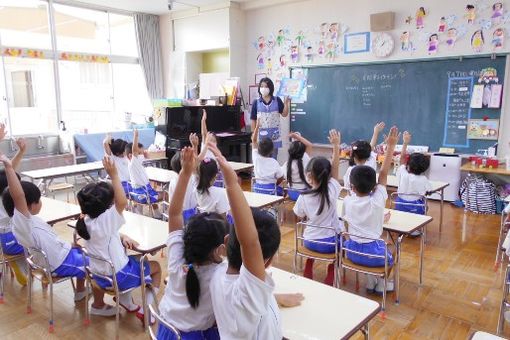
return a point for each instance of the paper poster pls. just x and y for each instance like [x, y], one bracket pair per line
[477, 97]
[292, 88]
[496, 92]
[253, 93]
[356, 42]
[483, 129]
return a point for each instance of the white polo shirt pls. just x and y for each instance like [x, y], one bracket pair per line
[122, 164]
[267, 170]
[371, 162]
[137, 173]
[190, 197]
[411, 184]
[244, 306]
[174, 305]
[215, 201]
[33, 231]
[5, 220]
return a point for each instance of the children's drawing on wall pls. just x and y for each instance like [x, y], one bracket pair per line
[309, 54]
[409, 20]
[283, 61]
[406, 44]
[331, 50]
[442, 25]
[294, 54]
[498, 39]
[420, 17]
[280, 38]
[477, 41]
[333, 31]
[470, 14]
[271, 42]
[321, 50]
[497, 13]
[484, 24]
[260, 61]
[261, 43]
[324, 30]
[433, 44]
[451, 37]
[300, 38]
[269, 66]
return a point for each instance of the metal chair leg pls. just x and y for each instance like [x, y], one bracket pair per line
[51, 328]
[29, 291]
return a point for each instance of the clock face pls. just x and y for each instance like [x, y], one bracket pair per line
[382, 45]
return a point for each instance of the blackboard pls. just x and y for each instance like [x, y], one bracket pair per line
[429, 98]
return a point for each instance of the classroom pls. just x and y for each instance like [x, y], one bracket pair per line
[273, 169]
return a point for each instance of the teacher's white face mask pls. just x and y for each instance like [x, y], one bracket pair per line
[264, 91]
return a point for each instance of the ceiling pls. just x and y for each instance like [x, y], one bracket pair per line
[152, 6]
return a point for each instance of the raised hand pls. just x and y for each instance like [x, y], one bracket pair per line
[406, 137]
[204, 115]
[193, 139]
[188, 159]
[4, 159]
[379, 127]
[334, 137]
[109, 167]
[393, 137]
[3, 131]
[20, 142]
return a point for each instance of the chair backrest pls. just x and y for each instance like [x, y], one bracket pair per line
[299, 235]
[344, 251]
[412, 203]
[263, 188]
[38, 260]
[91, 274]
[161, 321]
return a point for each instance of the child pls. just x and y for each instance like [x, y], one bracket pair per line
[116, 149]
[411, 180]
[139, 178]
[241, 290]
[22, 201]
[299, 156]
[10, 245]
[210, 198]
[268, 173]
[205, 134]
[102, 205]
[363, 154]
[318, 206]
[193, 256]
[363, 211]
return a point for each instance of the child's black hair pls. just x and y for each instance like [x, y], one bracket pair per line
[269, 84]
[265, 147]
[3, 180]
[94, 199]
[175, 162]
[203, 234]
[32, 196]
[129, 147]
[363, 179]
[207, 171]
[470, 7]
[418, 163]
[118, 147]
[269, 238]
[296, 152]
[361, 150]
[320, 170]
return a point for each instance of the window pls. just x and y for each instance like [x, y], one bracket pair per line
[130, 92]
[122, 35]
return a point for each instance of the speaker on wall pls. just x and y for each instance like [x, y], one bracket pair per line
[381, 22]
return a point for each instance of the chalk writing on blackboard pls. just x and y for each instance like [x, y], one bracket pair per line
[458, 112]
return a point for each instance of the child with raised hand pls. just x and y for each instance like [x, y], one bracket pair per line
[241, 290]
[102, 205]
[363, 211]
[412, 180]
[362, 153]
[116, 149]
[299, 155]
[318, 206]
[22, 202]
[194, 253]
[206, 134]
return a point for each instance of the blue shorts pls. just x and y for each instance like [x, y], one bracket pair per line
[209, 334]
[73, 265]
[322, 248]
[293, 194]
[188, 214]
[139, 194]
[220, 183]
[268, 189]
[129, 276]
[374, 248]
[10, 245]
[415, 209]
[127, 187]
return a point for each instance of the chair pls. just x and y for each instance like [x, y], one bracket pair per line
[4, 262]
[42, 272]
[346, 263]
[301, 251]
[503, 231]
[133, 202]
[159, 320]
[113, 291]
[66, 187]
[505, 302]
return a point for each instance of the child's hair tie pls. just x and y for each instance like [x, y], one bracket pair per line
[207, 160]
[187, 267]
[355, 147]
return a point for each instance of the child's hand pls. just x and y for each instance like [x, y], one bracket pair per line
[287, 100]
[3, 131]
[406, 137]
[393, 137]
[135, 133]
[109, 167]
[4, 159]
[294, 135]
[259, 122]
[209, 138]
[379, 127]
[289, 300]
[334, 137]
[188, 159]
[193, 139]
[128, 242]
[21, 144]
[204, 115]
[387, 216]
[222, 161]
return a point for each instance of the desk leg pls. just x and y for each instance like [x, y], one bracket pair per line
[441, 211]
[146, 312]
[366, 331]
[398, 245]
[422, 249]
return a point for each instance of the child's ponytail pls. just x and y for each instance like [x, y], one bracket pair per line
[81, 228]
[296, 152]
[320, 168]
[207, 171]
[192, 286]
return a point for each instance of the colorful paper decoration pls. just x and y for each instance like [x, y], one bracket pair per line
[477, 41]
[470, 14]
[483, 129]
[22, 52]
[86, 58]
[451, 37]
[497, 13]
[433, 43]
[420, 18]
[496, 94]
[498, 39]
[477, 97]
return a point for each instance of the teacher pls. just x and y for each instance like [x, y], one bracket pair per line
[269, 108]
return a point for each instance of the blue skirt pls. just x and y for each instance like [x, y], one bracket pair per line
[139, 194]
[129, 276]
[322, 248]
[268, 189]
[73, 265]
[10, 245]
[373, 248]
[410, 206]
[209, 334]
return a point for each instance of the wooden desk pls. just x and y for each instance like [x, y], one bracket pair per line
[484, 336]
[238, 167]
[46, 176]
[54, 211]
[256, 200]
[161, 176]
[155, 160]
[501, 170]
[320, 316]
[151, 234]
[437, 186]
[403, 224]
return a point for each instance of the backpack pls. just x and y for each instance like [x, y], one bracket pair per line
[482, 195]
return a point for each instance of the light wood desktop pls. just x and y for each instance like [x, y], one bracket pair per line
[54, 211]
[501, 170]
[484, 336]
[238, 167]
[161, 176]
[403, 224]
[321, 315]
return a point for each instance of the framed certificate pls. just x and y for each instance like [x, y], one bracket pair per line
[357, 43]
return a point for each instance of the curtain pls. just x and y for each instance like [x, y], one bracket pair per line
[149, 52]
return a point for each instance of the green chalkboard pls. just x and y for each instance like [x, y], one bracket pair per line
[419, 96]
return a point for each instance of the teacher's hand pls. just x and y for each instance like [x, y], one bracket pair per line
[287, 100]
